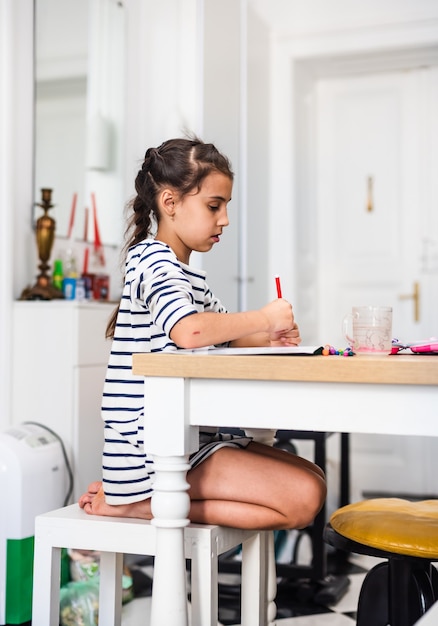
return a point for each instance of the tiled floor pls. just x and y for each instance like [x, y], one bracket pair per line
[295, 605]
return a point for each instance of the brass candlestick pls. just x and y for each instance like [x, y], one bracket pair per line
[45, 234]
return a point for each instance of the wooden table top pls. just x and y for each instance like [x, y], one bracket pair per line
[400, 369]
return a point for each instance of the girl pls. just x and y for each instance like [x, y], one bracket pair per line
[183, 190]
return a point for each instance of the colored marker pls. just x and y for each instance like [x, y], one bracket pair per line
[278, 285]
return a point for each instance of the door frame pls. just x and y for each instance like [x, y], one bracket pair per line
[296, 69]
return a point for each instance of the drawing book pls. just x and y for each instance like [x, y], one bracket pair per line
[262, 350]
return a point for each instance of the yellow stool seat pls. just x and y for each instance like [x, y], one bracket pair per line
[391, 524]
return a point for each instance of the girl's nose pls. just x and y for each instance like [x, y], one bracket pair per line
[223, 219]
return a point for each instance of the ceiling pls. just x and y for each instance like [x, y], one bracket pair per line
[305, 17]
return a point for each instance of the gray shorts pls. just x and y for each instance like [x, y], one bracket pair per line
[211, 443]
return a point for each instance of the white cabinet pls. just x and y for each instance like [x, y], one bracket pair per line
[58, 368]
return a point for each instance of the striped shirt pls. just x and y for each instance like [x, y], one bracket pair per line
[158, 292]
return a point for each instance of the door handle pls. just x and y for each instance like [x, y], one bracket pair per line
[415, 296]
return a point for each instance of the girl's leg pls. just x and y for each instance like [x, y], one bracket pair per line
[259, 487]
[287, 457]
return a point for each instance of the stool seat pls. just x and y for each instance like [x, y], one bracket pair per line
[71, 527]
[401, 588]
[391, 524]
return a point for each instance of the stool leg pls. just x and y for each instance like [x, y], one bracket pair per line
[258, 580]
[434, 580]
[110, 588]
[424, 590]
[271, 582]
[204, 583]
[254, 581]
[46, 583]
[373, 608]
[411, 591]
[401, 602]
[267, 552]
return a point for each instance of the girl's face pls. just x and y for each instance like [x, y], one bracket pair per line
[199, 218]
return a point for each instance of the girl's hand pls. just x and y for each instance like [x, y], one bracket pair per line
[286, 338]
[279, 316]
[280, 319]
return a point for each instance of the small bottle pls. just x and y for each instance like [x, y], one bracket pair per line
[80, 289]
[89, 285]
[58, 274]
[70, 276]
[101, 287]
[100, 279]
[70, 265]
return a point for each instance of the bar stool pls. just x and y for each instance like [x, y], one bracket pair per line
[399, 590]
[71, 527]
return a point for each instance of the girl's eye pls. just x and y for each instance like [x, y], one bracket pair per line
[213, 207]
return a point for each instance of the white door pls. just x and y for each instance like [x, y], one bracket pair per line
[377, 201]
[375, 170]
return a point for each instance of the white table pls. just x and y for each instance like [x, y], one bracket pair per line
[384, 395]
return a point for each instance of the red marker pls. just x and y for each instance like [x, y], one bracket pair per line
[278, 285]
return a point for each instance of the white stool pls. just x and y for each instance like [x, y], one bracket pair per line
[71, 527]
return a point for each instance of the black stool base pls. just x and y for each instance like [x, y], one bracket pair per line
[397, 591]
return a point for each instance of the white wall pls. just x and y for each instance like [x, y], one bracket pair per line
[16, 111]
[221, 106]
[162, 66]
[164, 95]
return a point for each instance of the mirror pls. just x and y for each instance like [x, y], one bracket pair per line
[79, 67]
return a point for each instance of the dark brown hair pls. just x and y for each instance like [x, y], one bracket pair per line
[182, 165]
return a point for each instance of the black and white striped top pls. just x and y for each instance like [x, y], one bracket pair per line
[158, 292]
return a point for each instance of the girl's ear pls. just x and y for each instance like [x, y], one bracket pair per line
[167, 202]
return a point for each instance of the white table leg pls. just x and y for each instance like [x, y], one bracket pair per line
[170, 446]
[170, 509]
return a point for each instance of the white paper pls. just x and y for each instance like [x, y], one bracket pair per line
[258, 350]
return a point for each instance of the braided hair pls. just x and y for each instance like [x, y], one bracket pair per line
[182, 165]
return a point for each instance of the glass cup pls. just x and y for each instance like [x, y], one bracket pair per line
[368, 329]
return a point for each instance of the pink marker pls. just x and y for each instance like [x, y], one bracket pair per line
[278, 285]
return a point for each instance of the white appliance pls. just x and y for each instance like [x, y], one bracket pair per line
[33, 480]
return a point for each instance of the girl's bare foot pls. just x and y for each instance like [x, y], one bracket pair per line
[93, 488]
[93, 503]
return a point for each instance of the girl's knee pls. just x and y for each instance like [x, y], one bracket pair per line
[319, 493]
[319, 471]
[309, 502]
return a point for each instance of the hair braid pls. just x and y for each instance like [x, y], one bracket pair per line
[181, 164]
